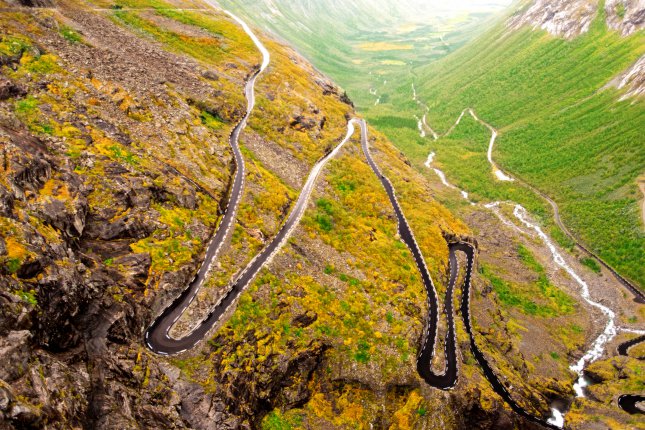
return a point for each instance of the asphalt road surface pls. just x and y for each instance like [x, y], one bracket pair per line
[448, 378]
[629, 402]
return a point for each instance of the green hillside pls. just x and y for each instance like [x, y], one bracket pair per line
[561, 129]
[367, 46]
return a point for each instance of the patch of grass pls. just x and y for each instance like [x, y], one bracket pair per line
[362, 354]
[212, 121]
[28, 297]
[389, 317]
[13, 45]
[70, 34]
[275, 421]
[13, 264]
[45, 64]
[620, 10]
[324, 216]
[591, 263]
[539, 299]
[27, 106]
[577, 329]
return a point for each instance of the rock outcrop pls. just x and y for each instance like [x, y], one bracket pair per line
[571, 18]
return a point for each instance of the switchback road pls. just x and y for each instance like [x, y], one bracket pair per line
[448, 378]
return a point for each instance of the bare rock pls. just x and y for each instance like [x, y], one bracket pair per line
[123, 228]
[632, 80]
[134, 267]
[8, 89]
[33, 3]
[31, 174]
[210, 74]
[564, 18]
[6, 202]
[302, 123]
[305, 319]
[625, 16]
[14, 349]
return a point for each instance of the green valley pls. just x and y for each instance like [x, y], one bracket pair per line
[563, 128]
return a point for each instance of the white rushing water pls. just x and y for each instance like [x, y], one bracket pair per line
[580, 385]
[598, 346]
[557, 418]
[422, 131]
[442, 176]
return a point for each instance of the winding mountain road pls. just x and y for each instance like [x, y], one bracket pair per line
[629, 402]
[448, 378]
[157, 336]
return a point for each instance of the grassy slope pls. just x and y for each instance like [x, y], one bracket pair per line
[560, 130]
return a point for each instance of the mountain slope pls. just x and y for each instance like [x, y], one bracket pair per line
[115, 169]
[564, 126]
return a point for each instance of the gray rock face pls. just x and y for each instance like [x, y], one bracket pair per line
[6, 202]
[13, 349]
[8, 89]
[625, 16]
[570, 18]
[564, 18]
[633, 80]
[33, 3]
